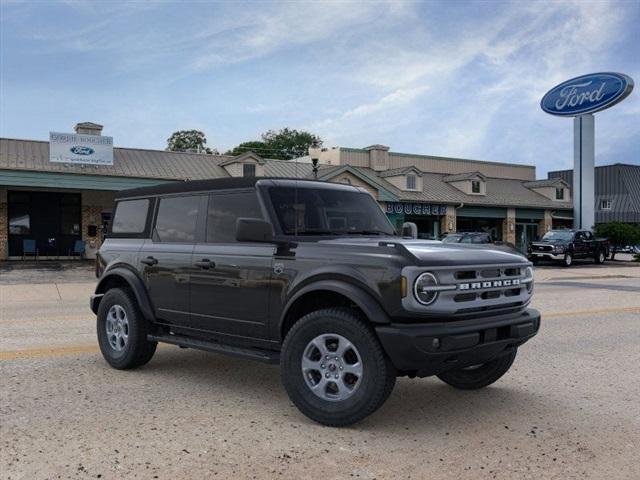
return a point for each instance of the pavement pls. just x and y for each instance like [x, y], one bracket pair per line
[568, 408]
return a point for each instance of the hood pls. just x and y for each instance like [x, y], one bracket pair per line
[550, 242]
[435, 253]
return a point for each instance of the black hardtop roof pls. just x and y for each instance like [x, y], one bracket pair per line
[226, 183]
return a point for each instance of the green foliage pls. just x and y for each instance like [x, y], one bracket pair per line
[619, 234]
[188, 141]
[259, 148]
[284, 144]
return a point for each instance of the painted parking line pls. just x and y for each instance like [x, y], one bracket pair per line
[53, 352]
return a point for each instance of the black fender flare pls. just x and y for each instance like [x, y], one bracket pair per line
[134, 282]
[365, 302]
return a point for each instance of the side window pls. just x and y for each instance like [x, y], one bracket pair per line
[130, 216]
[225, 209]
[176, 220]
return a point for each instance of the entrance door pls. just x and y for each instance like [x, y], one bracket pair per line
[525, 233]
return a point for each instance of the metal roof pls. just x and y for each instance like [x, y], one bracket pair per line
[33, 155]
[463, 176]
[287, 168]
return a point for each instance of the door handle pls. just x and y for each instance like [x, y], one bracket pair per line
[149, 261]
[205, 264]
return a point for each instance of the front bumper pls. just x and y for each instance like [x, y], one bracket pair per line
[546, 255]
[429, 349]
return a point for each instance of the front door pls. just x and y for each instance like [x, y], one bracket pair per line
[230, 290]
[165, 260]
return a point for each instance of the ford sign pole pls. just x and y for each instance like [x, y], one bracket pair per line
[580, 97]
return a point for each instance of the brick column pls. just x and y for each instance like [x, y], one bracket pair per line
[545, 224]
[448, 220]
[4, 226]
[91, 216]
[509, 226]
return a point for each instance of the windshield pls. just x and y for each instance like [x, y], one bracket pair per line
[558, 235]
[324, 211]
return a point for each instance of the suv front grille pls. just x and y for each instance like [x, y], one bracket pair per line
[468, 290]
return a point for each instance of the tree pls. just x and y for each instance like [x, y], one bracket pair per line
[619, 235]
[188, 141]
[257, 147]
[284, 144]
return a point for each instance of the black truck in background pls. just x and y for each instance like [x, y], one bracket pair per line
[565, 246]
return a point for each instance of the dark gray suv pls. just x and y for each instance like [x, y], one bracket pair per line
[312, 276]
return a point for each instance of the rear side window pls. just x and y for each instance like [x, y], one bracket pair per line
[225, 209]
[131, 216]
[176, 220]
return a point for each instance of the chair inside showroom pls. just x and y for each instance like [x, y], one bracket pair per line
[29, 248]
[79, 248]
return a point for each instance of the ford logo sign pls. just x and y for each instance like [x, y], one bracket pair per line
[587, 94]
[79, 150]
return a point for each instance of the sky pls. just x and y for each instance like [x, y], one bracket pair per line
[446, 78]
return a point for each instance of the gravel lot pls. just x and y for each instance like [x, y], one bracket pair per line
[569, 408]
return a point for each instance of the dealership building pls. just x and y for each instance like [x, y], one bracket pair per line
[52, 199]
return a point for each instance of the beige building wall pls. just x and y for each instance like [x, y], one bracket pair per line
[235, 169]
[351, 179]
[400, 181]
[465, 186]
[550, 193]
[361, 158]
[546, 224]
[448, 221]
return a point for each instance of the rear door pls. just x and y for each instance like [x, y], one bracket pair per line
[230, 289]
[165, 259]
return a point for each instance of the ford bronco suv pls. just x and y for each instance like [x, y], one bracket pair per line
[312, 276]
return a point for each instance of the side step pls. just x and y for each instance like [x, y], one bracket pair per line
[264, 356]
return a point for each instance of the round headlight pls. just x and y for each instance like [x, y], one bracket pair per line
[422, 288]
[528, 274]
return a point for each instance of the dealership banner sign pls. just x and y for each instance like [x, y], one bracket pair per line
[416, 208]
[80, 149]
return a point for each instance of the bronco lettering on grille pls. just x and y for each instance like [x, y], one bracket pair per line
[490, 284]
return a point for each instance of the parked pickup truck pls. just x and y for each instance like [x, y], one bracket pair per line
[566, 245]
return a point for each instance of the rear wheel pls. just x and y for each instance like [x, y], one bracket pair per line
[122, 331]
[479, 376]
[334, 368]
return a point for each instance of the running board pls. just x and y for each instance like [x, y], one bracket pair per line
[264, 356]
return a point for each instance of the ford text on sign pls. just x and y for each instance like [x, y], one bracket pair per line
[85, 149]
[587, 94]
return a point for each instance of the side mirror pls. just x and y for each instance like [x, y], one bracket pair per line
[253, 230]
[409, 229]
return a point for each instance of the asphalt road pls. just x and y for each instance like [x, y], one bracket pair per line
[569, 408]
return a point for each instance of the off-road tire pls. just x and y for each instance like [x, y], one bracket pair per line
[482, 376]
[138, 350]
[567, 261]
[378, 379]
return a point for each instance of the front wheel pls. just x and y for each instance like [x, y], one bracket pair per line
[479, 376]
[334, 368]
[567, 261]
[600, 257]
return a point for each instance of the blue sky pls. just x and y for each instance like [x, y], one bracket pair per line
[461, 79]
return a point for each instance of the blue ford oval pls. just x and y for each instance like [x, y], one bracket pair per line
[587, 94]
[80, 150]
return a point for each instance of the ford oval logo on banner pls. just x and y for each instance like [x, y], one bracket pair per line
[79, 150]
[587, 94]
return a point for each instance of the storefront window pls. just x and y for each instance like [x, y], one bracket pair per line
[19, 220]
